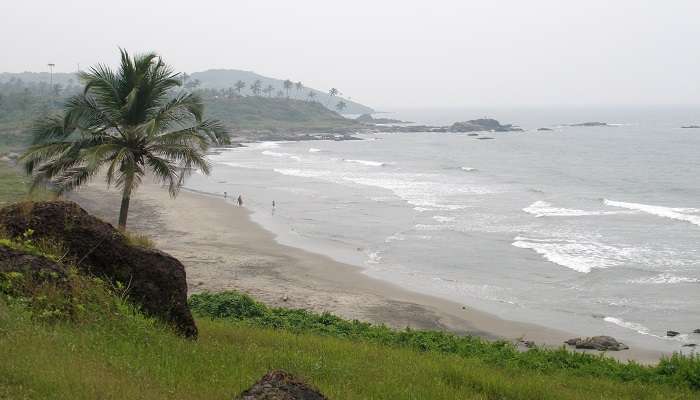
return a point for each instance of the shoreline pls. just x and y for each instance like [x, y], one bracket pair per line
[222, 248]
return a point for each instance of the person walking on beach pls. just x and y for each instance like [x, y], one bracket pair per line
[225, 195]
[273, 207]
[240, 200]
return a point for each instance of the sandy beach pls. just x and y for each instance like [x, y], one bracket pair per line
[222, 249]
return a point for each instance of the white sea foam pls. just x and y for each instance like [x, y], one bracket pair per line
[468, 169]
[368, 163]
[664, 278]
[441, 218]
[545, 209]
[639, 328]
[660, 211]
[374, 258]
[275, 154]
[313, 150]
[581, 256]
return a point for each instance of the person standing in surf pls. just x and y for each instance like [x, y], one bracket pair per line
[240, 200]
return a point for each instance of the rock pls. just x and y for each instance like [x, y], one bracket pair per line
[37, 267]
[544, 129]
[573, 342]
[482, 124]
[691, 127]
[589, 124]
[155, 280]
[368, 119]
[528, 343]
[280, 385]
[672, 333]
[601, 343]
[472, 134]
[484, 138]
[689, 345]
[696, 331]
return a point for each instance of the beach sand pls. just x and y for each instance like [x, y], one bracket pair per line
[222, 249]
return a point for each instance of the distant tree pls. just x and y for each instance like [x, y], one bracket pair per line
[239, 86]
[256, 87]
[341, 106]
[287, 84]
[192, 84]
[332, 93]
[311, 95]
[230, 92]
[268, 90]
[280, 93]
[124, 123]
[300, 87]
[184, 77]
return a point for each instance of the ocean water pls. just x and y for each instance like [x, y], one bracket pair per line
[593, 230]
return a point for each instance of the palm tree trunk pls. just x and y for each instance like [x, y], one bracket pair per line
[126, 197]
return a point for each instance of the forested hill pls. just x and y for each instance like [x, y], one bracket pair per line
[227, 78]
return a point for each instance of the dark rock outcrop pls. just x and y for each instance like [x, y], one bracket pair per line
[482, 124]
[369, 119]
[280, 385]
[690, 126]
[602, 343]
[544, 129]
[696, 331]
[672, 333]
[37, 267]
[155, 280]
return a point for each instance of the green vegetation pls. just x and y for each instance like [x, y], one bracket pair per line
[99, 347]
[257, 112]
[678, 370]
[126, 122]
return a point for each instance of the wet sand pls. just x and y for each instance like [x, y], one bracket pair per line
[222, 249]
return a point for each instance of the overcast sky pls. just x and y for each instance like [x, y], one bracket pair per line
[389, 54]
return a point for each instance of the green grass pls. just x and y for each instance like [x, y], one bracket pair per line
[133, 358]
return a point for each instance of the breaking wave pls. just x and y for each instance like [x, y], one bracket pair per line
[659, 211]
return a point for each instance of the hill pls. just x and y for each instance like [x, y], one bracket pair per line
[227, 78]
[255, 112]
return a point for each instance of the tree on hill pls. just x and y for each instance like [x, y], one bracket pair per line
[287, 84]
[256, 87]
[239, 85]
[300, 87]
[125, 123]
[268, 90]
[280, 93]
[341, 106]
[311, 96]
[332, 93]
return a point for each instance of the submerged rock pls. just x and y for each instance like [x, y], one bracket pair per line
[544, 129]
[280, 385]
[154, 280]
[601, 343]
[691, 127]
[672, 333]
[696, 331]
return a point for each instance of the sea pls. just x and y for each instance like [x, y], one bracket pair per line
[591, 230]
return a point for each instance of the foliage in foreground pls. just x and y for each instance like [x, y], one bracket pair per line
[678, 370]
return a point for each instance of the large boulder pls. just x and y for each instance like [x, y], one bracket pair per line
[280, 385]
[602, 343]
[37, 267]
[154, 280]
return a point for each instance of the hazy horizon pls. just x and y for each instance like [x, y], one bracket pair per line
[392, 54]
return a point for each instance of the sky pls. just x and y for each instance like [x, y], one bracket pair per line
[385, 53]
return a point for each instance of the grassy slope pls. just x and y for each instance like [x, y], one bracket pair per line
[274, 113]
[132, 358]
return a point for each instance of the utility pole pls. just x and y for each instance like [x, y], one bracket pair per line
[51, 65]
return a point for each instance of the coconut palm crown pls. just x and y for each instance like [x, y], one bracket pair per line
[124, 124]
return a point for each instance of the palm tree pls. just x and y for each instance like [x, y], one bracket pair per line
[299, 86]
[124, 123]
[332, 93]
[311, 95]
[280, 93]
[268, 90]
[239, 85]
[287, 86]
[341, 106]
[256, 87]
